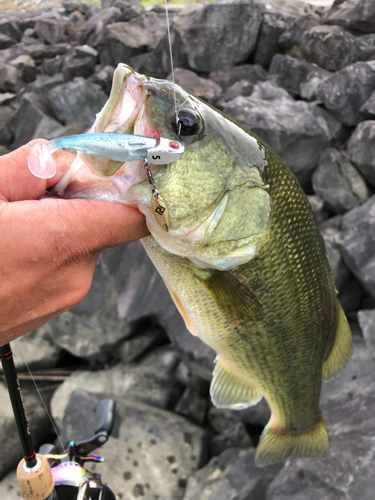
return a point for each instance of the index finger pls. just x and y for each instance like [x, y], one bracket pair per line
[18, 183]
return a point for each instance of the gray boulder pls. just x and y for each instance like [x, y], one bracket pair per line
[8, 78]
[366, 319]
[296, 130]
[290, 38]
[348, 405]
[231, 476]
[77, 101]
[32, 119]
[26, 66]
[295, 75]
[229, 76]
[347, 90]
[221, 35]
[361, 149]
[7, 115]
[200, 87]
[6, 41]
[338, 183]
[356, 243]
[331, 47]
[273, 25]
[317, 205]
[368, 108]
[150, 381]
[352, 14]
[192, 405]
[51, 30]
[151, 452]
[235, 436]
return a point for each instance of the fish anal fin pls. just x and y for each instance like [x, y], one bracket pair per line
[341, 349]
[232, 296]
[181, 309]
[275, 444]
[228, 391]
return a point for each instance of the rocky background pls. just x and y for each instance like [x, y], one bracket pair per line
[303, 79]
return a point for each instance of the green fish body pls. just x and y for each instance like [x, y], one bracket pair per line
[244, 258]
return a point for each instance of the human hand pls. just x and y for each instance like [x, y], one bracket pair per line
[49, 247]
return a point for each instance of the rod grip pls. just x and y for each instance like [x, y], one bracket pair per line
[35, 484]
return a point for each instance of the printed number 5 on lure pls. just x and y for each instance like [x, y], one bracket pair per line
[243, 259]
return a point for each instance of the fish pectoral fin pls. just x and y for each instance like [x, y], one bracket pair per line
[228, 391]
[181, 309]
[232, 296]
[341, 349]
[276, 444]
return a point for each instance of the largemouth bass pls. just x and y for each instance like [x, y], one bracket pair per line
[243, 259]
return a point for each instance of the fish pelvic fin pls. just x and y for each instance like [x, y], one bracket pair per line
[277, 444]
[342, 348]
[228, 391]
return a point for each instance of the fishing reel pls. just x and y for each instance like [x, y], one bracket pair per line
[72, 480]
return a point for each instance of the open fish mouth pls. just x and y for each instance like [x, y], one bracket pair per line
[125, 112]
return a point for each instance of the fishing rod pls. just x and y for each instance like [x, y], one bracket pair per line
[50, 476]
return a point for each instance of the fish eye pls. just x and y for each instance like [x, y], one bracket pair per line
[185, 123]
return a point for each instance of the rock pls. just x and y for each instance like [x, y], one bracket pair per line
[84, 51]
[91, 30]
[146, 337]
[317, 206]
[221, 35]
[200, 87]
[151, 453]
[192, 405]
[344, 92]
[352, 14]
[273, 25]
[338, 183]
[26, 66]
[294, 8]
[9, 487]
[35, 350]
[228, 77]
[77, 101]
[6, 41]
[295, 74]
[348, 405]
[53, 66]
[290, 38]
[44, 83]
[242, 87]
[8, 78]
[4, 150]
[6, 98]
[104, 78]
[368, 108]
[31, 120]
[367, 323]
[40, 426]
[10, 28]
[39, 51]
[77, 66]
[150, 381]
[231, 476]
[221, 420]
[121, 41]
[232, 437]
[76, 128]
[6, 124]
[356, 243]
[296, 130]
[348, 287]
[331, 47]
[185, 376]
[51, 31]
[361, 149]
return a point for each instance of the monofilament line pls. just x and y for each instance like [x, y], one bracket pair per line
[171, 56]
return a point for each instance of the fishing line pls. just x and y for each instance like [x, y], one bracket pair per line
[45, 406]
[171, 56]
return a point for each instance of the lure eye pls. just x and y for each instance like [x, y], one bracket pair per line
[186, 123]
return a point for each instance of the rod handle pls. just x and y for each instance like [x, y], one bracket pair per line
[36, 483]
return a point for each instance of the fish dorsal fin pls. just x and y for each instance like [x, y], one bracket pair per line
[341, 349]
[228, 391]
[232, 297]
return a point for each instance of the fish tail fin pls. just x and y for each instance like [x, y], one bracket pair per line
[275, 444]
[341, 349]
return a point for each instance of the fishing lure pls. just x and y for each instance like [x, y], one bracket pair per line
[113, 146]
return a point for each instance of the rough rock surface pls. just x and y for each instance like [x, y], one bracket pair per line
[347, 472]
[356, 243]
[338, 183]
[345, 91]
[366, 319]
[159, 450]
[361, 149]
[352, 14]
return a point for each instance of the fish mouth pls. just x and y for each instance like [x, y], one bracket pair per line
[125, 112]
